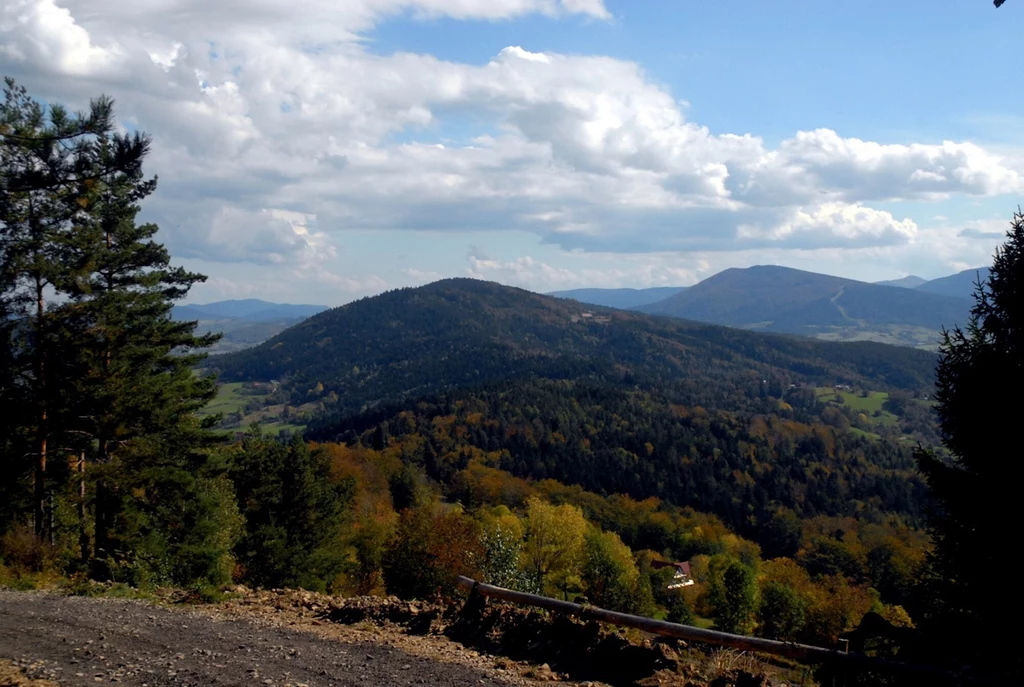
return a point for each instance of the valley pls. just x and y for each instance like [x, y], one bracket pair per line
[242, 405]
[243, 323]
[769, 452]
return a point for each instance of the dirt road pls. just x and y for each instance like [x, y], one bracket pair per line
[84, 641]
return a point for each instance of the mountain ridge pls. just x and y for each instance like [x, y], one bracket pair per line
[251, 309]
[959, 284]
[781, 299]
[622, 298]
[462, 332]
[244, 322]
[911, 281]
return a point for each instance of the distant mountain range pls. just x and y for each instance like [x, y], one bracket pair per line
[780, 299]
[908, 311]
[250, 309]
[463, 332]
[959, 285]
[619, 298]
[244, 322]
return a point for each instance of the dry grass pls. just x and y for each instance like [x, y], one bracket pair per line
[13, 676]
[725, 661]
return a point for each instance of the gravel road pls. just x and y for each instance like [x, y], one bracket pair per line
[86, 641]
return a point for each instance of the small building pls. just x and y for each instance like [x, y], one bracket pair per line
[681, 578]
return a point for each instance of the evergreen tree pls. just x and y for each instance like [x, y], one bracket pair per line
[135, 363]
[46, 165]
[979, 378]
[294, 513]
[102, 372]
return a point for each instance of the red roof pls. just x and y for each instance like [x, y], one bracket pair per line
[683, 568]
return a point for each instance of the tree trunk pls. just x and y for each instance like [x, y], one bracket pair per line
[100, 568]
[83, 528]
[41, 430]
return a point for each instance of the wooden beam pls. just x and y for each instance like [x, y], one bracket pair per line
[799, 652]
[802, 652]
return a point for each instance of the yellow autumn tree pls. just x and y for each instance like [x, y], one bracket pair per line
[609, 571]
[553, 553]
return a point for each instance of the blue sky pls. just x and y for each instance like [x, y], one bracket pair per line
[890, 71]
[320, 152]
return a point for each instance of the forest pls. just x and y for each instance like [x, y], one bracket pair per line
[469, 428]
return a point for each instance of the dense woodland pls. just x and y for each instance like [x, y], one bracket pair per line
[743, 467]
[469, 428]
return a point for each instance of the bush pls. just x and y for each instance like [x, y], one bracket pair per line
[679, 611]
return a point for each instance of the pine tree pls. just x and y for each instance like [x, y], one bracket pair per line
[107, 374]
[135, 375]
[979, 380]
[44, 168]
[294, 513]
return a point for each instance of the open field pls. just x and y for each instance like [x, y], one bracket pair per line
[232, 398]
[898, 335]
[229, 399]
[870, 405]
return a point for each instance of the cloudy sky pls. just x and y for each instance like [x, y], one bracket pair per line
[324, 150]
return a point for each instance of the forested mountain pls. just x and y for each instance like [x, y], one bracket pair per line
[959, 285]
[780, 299]
[464, 332]
[909, 282]
[620, 298]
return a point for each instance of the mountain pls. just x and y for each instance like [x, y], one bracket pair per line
[619, 298]
[908, 282]
[244, 323]
[251, 309]
[781, 299]
[463, 332]
[960, 285]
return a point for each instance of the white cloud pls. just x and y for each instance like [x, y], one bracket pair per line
[46, 35]
[589, 269]
[836, 224]
[275, 130]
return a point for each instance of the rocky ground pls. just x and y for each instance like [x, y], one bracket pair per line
[300, 638]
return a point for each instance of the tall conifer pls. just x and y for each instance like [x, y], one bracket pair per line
[979, 382]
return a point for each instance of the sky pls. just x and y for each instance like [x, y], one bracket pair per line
[321, 151]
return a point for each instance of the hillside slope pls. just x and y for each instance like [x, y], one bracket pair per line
[619, 298]
[959, 285]
[616, 439]
[462, 332]
[780, 299]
